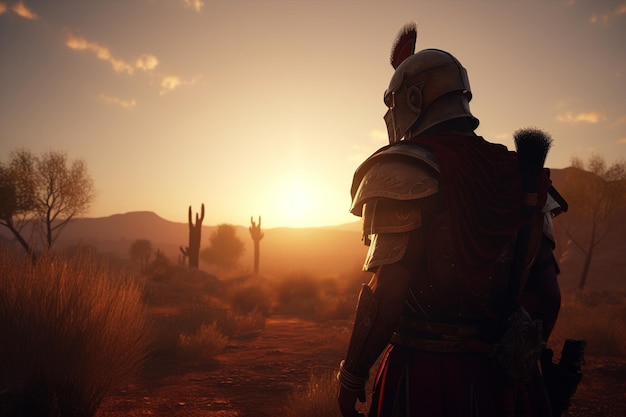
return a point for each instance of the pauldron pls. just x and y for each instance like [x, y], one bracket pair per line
[403, 171]
[387, 192]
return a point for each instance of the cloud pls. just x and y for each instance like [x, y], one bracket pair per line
[127, 104]
[197, 5]
[79, 43]
[378, 136]
[619, 121]
[586, 117]
[501, 137]
[20, 9]
[606, 17]
[378, 139]
[172, 82]
[145, 62]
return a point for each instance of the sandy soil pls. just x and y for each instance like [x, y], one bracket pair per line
[255, 375]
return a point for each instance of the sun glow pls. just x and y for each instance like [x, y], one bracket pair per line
[297, 202]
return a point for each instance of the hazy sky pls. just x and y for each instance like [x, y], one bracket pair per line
[267, 107]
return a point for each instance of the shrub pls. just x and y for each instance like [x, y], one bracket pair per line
[205, 343]
[298, 295]
[172, 321]
[76, 330]
[249, 297]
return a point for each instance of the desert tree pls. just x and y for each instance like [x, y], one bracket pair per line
[257, 235]
[45, 192]
[17, 196]
[225, 249]
[64, 190]
[594, 191]
[140, 251]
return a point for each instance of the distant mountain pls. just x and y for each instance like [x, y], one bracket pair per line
[128, 226]
[329, 251]
[324, 251]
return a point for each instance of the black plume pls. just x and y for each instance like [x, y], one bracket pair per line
[404, 45]
[532, 149]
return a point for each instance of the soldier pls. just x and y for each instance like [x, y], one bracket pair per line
[443, 212]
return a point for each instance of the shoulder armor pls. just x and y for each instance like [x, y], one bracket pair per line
[398, 173]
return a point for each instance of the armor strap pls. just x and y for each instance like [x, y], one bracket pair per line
[366, 312]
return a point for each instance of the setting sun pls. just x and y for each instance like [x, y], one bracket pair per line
[297, 201]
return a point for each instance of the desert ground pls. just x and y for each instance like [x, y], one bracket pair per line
[256, 374]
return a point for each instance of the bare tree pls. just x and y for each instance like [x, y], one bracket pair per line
[594, 190]
[45, 192]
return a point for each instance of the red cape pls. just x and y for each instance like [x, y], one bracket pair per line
[482, 187]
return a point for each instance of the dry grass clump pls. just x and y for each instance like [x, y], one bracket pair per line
[319, 299]
[598, 318]
[205, 343]
[172, 321]
[235, 323]
[335, 337]
[72, 330]
[318, 398]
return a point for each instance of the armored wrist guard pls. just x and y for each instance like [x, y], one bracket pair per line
[349, 381]
[367, 309]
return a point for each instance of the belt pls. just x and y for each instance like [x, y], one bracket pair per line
[411, 327]
[444, 345]
[445, 337]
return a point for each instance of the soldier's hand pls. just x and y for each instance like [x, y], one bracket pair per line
[347, 401]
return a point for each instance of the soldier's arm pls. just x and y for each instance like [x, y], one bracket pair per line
[390, 199]
[388, 287]
[378, 311]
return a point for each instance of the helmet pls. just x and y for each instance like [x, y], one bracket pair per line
[427, 88]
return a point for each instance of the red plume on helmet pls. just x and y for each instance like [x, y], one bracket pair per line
[404, 45]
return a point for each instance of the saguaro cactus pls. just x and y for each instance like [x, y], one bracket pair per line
[257, 235]
[192, 252]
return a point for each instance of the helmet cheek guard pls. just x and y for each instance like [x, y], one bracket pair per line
[405, 107]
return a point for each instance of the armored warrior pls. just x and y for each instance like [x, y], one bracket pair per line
[464, 293]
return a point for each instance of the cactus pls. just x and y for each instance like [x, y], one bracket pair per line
[182, 259]
[257, 235]
[192, 252]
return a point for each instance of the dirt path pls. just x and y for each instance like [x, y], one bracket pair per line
[254, 377]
